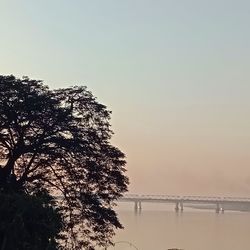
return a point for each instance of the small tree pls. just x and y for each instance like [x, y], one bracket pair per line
[59, 140]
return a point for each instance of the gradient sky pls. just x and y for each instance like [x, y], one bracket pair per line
[176, 75]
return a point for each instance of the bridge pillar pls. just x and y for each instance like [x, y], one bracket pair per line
[181, 206]
[217, 209]
[139, 205]
[136, 206]
[177, 206]
[222, 209]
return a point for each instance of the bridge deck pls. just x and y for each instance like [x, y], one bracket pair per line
[185, 199]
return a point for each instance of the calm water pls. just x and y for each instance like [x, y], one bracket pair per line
[158, 227]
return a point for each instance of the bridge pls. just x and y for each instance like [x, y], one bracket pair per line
[219, 203]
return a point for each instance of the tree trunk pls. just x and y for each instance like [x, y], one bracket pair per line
[6, 170]
[3, 245]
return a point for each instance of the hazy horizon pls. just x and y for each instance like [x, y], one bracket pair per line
[175, 74]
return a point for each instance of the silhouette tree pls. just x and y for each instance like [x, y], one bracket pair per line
[59, 140]
[29, 222]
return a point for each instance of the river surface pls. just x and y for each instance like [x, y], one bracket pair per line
[159, 227]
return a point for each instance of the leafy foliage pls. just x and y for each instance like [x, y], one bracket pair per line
[29, 222]
[59, 141]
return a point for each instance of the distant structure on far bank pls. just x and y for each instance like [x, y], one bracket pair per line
[219, 204]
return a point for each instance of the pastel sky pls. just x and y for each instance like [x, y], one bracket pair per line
[175, 73]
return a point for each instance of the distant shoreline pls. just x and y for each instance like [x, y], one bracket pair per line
[226, 207]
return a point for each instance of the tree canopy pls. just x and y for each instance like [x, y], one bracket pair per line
[59, 141]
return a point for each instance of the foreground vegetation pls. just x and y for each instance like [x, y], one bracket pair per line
[57, 142]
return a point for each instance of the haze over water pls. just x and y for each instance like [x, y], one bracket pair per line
[158, 227]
